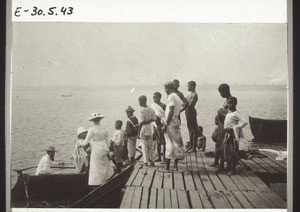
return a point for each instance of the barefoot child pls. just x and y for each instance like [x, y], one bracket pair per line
[201, 140]
[233, 125]
[118, 145]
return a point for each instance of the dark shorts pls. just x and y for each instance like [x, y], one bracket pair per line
[191, 118]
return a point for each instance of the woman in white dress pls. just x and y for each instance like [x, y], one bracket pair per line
[101, 168]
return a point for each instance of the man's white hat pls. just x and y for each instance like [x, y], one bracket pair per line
[95, 115]
[81, 130]
[51, 149]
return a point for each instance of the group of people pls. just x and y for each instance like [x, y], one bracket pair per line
[158, 129]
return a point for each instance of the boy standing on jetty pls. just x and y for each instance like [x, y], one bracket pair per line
[131, 132]
[147, 116]
[118, 144]
[233, 125]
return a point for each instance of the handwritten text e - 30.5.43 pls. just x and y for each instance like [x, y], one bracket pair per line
[35, 11]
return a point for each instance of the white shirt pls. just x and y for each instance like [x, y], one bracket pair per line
[45, 165]
[147, 113]
[118, 138]
[173, 100]
[235, 121]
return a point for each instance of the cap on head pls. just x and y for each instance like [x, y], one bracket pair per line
[81, 130]
[51, 149]
[129, 109]
[169, 84]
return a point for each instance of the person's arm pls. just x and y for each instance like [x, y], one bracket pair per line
[87, 139]
[117, 138]
[184, 100]
[242, 121]
[172, 108]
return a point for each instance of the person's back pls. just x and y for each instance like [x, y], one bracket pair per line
[132, 126]
[147, 114]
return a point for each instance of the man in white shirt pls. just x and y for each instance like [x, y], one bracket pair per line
[46, 162]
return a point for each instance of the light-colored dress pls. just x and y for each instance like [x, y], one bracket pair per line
[79, 156]
[101, 168]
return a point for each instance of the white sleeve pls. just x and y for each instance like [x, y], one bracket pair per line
[171, 101]
[88, 137]
[242, 121]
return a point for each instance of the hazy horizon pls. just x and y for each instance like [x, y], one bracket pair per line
[135, 54]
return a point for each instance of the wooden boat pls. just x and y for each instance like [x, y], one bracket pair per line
[268, 130]
[50, 187]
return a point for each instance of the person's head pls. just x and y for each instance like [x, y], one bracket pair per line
[224, 90]
[200, 129]
[156, 97]
[129, 111]
[51, 152]
[191, 85]
[96, 118]
[118, 124]
[176, 84]
[142, 100]
[232, 103]
[169, 87]
[81, 133]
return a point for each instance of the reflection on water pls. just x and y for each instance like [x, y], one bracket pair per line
[41, 117]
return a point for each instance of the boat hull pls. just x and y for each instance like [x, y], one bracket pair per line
[267, 130]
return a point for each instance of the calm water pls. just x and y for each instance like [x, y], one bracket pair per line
[41, 117]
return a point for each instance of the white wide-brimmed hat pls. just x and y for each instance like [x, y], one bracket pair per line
[95, 115]
[51, 149]
[81, 130]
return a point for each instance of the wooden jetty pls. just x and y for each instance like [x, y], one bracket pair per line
[196, 185]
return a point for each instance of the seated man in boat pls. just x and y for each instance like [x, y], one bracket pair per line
[46, 162]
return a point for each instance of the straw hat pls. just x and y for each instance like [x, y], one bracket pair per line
[169, 83]
[51, 149]
[95, 115]
[129, 109]
[81, 130]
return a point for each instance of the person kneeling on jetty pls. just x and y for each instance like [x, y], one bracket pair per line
[101, 168]
[47, 161]
[233, 125]
[81, 155]
[117, 144]
[171, 128]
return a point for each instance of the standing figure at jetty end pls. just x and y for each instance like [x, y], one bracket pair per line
[181, 96]
[100, 166]
[174, 144]
[118, 142]
[233, 125]
[224, 91]
[159, 109]
[191, 116]
[81, 155]
[146, 131]
[131, 132]
[47, 161]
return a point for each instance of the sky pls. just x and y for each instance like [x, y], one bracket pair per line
[116, 54]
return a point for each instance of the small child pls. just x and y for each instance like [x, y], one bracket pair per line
[117, 143]
[233, 125]
[201, 140]
[80, 153]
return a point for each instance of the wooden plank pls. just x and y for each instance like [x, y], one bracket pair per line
[206, 181]
[275, 199]
[128, 201]
[194, 162]
[217, 199]
[242, 199]
[160, 198]
[167, 198]
[216, 181]
[132, 176]
[182, 165]
[200, 163]
[149, 177]
[252, 165]
[168, 181]
[188, 162]
[182, 199]
[124, 199]
[274, 165]
[272, 157]
[139, 177]
[257, 182]
[198, 183]
[205, 200]
[158, 179]
[152, 200]
[178, 180]
[195, 200]
[232, 199]
[136, 200]
[266, 166]
[266, 199]
[255, 200]
[188, 179]
[227, 182]
[174, 200]
[238, 184]
[245, 180]
[145, 197]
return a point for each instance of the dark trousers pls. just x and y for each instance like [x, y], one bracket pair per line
[192, 124]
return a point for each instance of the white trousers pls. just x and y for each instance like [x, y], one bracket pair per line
[131, 146]
[148, 148]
